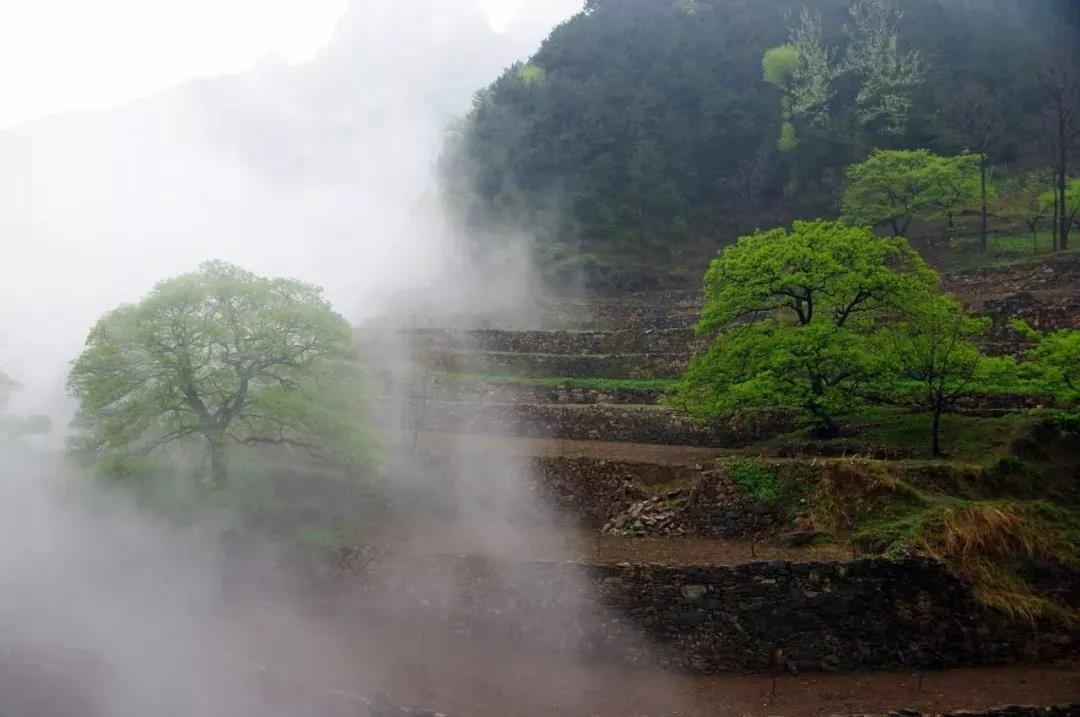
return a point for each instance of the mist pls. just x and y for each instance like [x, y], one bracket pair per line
[320, 170]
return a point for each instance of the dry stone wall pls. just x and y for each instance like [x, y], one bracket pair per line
[803, 617]
[621, 365]
[638, 341]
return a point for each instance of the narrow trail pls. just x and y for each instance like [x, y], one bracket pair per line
[431, 536]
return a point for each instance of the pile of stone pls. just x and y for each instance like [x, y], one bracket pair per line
[658, 515]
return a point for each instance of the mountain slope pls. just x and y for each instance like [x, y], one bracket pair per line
[642, 129]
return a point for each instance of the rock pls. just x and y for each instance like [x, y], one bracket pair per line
[693, 592]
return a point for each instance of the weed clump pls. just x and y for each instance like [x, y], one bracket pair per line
[756, 481]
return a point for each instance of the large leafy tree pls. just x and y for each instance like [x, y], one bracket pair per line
[219, 356]
[790, 314]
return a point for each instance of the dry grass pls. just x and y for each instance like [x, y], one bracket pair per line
[987, 543]
[990, 542]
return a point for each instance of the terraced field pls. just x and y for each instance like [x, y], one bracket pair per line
[531, 449]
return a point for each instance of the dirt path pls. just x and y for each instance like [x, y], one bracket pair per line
[605, 450]
[394, 665]
[539, 542]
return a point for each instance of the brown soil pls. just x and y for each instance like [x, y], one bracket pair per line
[318, 664]
[605, 450]
[471, 685]
[537, 542]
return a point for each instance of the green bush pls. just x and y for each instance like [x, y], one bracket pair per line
[756, 481]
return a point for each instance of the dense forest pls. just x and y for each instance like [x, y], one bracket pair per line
[649, 132]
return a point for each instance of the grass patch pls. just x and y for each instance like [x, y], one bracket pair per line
[961, 516]
[1001, 249]
[992, 544]
[967, 438]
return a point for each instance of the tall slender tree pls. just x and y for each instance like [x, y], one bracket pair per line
[1062, 90]
[974, 115]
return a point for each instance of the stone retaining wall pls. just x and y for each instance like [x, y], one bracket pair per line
[867, 614]
[641, 341]
[597, 422]
[649, 365]
[479, 392]
[634, 424]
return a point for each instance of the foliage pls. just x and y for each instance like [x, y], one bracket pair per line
[791, 316]
[1021, 199]
[778, 65]
[893, 187]
[933, 345]
[223, 357]
[812, 90]
[1071, 211]
[1055, 359]
[756, 481]
[889, 76]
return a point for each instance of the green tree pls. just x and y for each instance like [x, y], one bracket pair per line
[974, 116]
[892, 187]
[1055, 359]
[778, 67]
[1066, 208]
[955, 186]
[790, 315]
[219, 356]
[933, 346]
[1020, 199]
[888, 76]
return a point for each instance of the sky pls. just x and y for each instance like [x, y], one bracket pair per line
[60, 55]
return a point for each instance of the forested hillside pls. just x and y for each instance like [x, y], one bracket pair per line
[652, 131]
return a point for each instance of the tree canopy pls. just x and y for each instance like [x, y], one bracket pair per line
[790, 314]
[933, 346]
[1055, 359]
[893, 187]
[220, 356]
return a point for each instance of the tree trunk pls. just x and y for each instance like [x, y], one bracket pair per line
[1062, 179]
[937, 431]
[641, 228]
[1054, 230]
[219, 464]
[982, 190]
